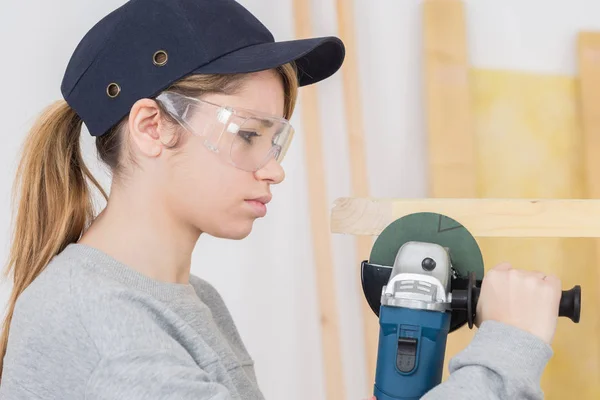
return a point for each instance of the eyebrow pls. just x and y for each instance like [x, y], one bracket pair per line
[264, 122]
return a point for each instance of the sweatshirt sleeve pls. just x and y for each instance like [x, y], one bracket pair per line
[502, 362]
[152, 374]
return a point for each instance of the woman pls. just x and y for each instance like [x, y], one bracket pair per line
[189, 101]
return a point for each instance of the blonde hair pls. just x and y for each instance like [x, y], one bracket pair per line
[55, 204]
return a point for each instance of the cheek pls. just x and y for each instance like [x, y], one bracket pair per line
[202, 187]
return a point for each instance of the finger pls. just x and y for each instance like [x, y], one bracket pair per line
[504, 266]
[543, 276]
[539, 274]
[553, 280]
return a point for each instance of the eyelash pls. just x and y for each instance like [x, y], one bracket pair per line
[248, 135]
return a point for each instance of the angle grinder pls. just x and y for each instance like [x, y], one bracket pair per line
[422, 281]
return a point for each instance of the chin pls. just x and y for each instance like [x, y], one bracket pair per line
[233, 231]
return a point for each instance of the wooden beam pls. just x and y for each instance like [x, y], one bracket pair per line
[482, 217]
[452, 155]
[358, 168]
[588, 57]
[321, 239]
[588, 50]
[450, 136]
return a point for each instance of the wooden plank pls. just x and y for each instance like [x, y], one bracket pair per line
[534, 119]
[450, 137]
[358, 168]
[321, 240]
[482, 217]
[589, 93]
[588, 57]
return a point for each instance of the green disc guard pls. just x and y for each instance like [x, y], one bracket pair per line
[433, 228]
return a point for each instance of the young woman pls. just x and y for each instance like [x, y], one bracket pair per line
[190, 102]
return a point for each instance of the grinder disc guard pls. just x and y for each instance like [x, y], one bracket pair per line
[427, 227]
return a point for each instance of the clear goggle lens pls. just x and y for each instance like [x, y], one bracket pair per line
[250, 139]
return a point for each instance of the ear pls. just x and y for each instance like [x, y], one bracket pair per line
[145, 125]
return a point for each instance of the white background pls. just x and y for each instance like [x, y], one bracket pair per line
[268, 280]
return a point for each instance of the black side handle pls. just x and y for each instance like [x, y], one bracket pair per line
[570, 304]
[466, 299]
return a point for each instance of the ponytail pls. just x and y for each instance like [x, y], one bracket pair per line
[54, 201]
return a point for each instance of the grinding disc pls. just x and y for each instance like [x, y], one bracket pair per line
[464, 251]
[433, 228]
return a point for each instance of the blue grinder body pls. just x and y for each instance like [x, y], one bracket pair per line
[412, 346]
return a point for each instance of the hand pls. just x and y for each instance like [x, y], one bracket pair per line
[524, 299]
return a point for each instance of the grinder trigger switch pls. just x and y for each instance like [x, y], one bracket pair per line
[406, 359]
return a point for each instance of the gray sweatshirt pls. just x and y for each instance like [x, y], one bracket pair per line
[91, 328]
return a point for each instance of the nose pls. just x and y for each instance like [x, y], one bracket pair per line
[272, 172]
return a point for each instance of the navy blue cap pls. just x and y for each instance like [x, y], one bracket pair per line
[144, 46]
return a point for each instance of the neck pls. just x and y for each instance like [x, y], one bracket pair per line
[131, 230]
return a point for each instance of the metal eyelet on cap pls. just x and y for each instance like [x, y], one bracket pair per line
[160, 58]
[113, 90]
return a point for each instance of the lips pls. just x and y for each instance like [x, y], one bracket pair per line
[262, 199]
[258, 205]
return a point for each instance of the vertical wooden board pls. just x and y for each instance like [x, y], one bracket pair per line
[451, 146]
[358, 168]
[530, 146]
[450, 135]
[588, 57]
[319, 214]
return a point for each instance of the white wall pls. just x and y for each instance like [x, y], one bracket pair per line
[281, 327]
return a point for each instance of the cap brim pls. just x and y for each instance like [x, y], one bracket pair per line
[315, 58]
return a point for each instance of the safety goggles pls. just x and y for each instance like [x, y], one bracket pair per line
[247, 138]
